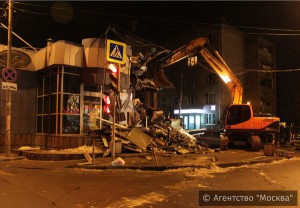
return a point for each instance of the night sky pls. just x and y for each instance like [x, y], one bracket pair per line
[157, 21]
[153, 21]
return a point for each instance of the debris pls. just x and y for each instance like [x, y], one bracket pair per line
[182, 151]
[88, 157]
[132, 148]
[104, 141]
[284, 153]
[269, 149]
[106, 153]
[160, 134]
[118, 146]
[288, 155]
[139, 138]
[214, 159]
[118, 162]
[217, 150]
[148, 157]
[154, 153]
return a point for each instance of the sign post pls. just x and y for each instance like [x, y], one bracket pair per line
[8, 92]
[116, 53]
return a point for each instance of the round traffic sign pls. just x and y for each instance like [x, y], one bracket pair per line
[9, 74]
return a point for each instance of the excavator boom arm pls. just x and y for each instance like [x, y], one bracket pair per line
[214, 61]
[185, 51]
[220, 67]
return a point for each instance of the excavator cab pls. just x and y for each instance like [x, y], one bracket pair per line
[236, 114]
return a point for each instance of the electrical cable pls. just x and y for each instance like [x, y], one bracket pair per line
[140, 43]
[296, 32]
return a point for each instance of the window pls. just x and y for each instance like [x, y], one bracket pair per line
[191, 122]
[91, 114]
[71, 83]
[193, 100]
[266, 83]
[211, 38]
[210, 78]
[192, 61]
[175, 101]
[210, 98]
[198, 124]
[237, 114]
[49, 109]
[71, 124]
[210, 118]
[162, 102]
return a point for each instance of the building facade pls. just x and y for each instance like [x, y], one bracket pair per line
[59, 93]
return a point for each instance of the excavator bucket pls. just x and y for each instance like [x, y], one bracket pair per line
[161, 80]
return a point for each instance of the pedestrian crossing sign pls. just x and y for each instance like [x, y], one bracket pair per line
[116, 51]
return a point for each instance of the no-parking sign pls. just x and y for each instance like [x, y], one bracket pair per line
[9, 74]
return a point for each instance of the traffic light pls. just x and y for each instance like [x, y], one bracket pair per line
[107, 102]
[115, 77]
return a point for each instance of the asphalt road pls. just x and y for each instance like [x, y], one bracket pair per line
[27, 184]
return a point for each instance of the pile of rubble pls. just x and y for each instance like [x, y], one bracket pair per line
[164, 137]
[157, 134]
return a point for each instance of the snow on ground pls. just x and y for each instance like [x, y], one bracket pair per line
[81, 149]
[24, 148]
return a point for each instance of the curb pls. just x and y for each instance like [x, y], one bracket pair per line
[11, 158]
[172, 167]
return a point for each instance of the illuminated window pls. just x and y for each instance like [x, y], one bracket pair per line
[210, 118]
[91, 114]
[192, 61]
[198, 124]
[191, 122]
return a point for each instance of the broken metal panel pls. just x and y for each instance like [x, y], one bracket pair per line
[146, 83]
[139, 138]
[176, 123]
[157, 115]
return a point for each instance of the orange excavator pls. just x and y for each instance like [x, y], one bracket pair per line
[240, 122]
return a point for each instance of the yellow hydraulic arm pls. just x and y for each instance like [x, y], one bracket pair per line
[215, 62]
[220, 67]
[185, 51]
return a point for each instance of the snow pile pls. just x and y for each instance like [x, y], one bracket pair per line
[81, 149]
[28, 148]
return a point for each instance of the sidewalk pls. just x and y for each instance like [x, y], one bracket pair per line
[12, 156]
[158, 161]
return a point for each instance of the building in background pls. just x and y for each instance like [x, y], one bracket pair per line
[199, 96]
